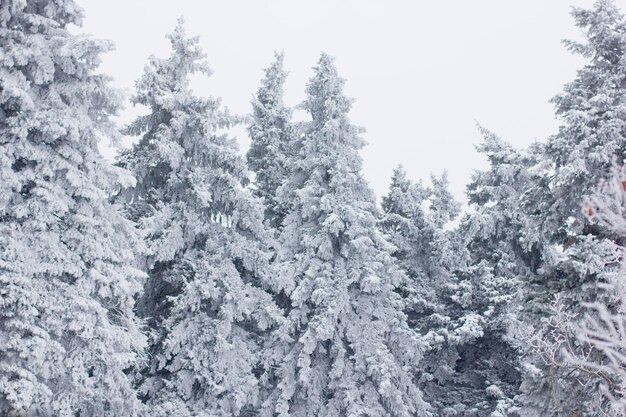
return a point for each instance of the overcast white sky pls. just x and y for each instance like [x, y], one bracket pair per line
[423, 73]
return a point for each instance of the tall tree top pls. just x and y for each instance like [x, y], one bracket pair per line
[329, 148]
[325, 99]
[164, 80]
[272, 88]
[404, 197]
[180, 134]
[593, 110]
[272, 141]
[603, 29]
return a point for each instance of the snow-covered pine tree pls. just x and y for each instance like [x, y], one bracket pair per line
[453, 298]
[502, 253]
[414, 220]
[577, 257]
[404, 222]
[67, 328]
[347, 348]
[206, 253]
[272, 140]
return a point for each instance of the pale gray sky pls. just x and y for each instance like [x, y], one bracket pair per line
[423, 73]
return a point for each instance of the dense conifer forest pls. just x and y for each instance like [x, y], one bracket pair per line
[188, 278]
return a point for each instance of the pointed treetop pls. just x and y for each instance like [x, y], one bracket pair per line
[325, 99]
[330, 127]
[272, 84]
[162, 77]
[272, 137]
[603, 26]
[187, 49]
[443, 206]
[399, 178]
[493, 146]
[604, 45]
[402, 197]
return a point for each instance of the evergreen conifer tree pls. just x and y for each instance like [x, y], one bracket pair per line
[501, 254]
[414, 220]
[207, 256]
[577, 256]
[347, 349]
[272, 141]
[68, 333]
[450, 301]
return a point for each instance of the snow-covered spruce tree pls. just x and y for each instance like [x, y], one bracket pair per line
[414, 220]
[502, 253]
[206, 257]
[272, 140]
[347, 350]
[461, 281]
[605, 329]
[67, 328]
[577, 256]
